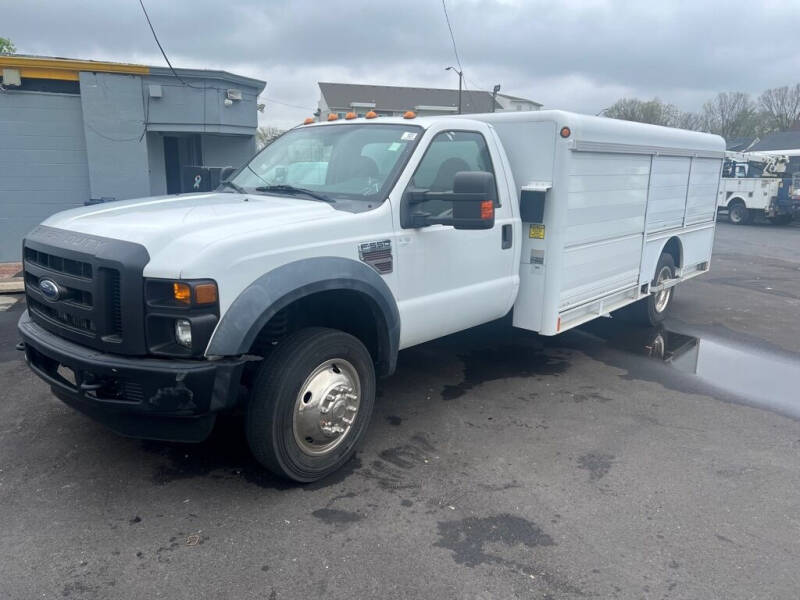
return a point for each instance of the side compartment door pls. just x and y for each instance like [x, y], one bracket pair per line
[452, 279]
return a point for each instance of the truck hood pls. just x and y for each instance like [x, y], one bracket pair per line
[195, 220]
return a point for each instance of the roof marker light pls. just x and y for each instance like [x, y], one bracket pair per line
[409, 114]
[371, 115]
[333, 117]
[350, 115]
[308, 121]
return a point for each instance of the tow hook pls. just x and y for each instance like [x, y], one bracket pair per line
[20, 346]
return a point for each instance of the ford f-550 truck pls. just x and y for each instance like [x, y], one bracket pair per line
[289, 289]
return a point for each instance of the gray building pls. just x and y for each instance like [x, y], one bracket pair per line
[75, 130]
[392, 101]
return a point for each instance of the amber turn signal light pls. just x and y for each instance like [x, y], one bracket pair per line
[182, 293]
[487, 210]
[205, 293]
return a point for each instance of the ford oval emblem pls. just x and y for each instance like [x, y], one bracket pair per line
[50, 289]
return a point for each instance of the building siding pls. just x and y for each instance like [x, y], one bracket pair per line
[43, 164]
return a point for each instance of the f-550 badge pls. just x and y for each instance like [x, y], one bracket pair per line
[377, 255]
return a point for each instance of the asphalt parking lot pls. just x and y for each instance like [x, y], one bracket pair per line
[499, 465]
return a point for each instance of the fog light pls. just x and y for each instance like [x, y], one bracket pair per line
[183, 332]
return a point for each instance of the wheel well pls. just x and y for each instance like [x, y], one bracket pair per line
[736, 200]
[674, 248]
[347, 310]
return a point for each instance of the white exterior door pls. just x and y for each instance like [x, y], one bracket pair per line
[451, 279]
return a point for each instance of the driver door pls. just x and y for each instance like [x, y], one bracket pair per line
[452, 279]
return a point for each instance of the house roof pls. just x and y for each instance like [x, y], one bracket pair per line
[517, 98]
[385, 97]
[783, 140]
[738, 143]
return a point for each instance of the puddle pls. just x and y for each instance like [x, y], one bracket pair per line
[760, 378]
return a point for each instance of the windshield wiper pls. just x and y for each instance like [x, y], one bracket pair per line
[235, 186]
[290, 189]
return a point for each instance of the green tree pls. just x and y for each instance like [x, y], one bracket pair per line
[7, 46]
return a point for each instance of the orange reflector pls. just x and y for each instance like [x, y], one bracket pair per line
[182, 293]
[350, 115]
[205, 293]
[333, 117]
[371, 115]
[558, 325]
[565, 132]
[308, 121]
[487, 210]
[409, 114]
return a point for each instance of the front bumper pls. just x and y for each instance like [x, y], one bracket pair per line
[153, 398]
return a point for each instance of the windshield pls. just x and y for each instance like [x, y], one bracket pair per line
[348, 161]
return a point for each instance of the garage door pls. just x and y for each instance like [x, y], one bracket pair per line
[43, 166]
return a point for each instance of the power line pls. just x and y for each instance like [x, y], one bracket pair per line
[164, 54]
[452, 37]
[287, 103]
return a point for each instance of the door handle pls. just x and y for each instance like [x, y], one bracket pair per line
[507, 237]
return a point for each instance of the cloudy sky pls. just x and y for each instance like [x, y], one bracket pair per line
[578, 55]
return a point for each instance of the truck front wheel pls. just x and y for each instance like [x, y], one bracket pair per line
[738, 213]
[310, 404]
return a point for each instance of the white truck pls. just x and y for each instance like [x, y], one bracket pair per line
[289, 289]
[755, 184]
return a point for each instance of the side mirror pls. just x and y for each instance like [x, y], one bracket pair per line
[226, 172]
[473, 199]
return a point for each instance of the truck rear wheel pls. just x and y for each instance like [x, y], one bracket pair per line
[310, 404]
[738, 213]
[650, 311]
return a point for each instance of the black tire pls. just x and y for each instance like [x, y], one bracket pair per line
[738, 213]
[270, 421]
[780, 219]
[648, 311]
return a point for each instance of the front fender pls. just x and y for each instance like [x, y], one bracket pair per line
[278, 288]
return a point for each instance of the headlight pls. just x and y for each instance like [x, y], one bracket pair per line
[183, 332]
[180, 316]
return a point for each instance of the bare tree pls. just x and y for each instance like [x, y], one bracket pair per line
[781, 106]
[690, 120]
[652, 111]
[266, 135]
[732, 114]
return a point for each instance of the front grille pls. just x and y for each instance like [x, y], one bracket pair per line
[59, 264]
[62, 317]
[99, 299]
[114, 297]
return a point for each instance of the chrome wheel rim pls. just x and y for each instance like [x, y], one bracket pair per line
[326, 407]
[662, 297]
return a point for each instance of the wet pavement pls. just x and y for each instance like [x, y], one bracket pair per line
[608, 462]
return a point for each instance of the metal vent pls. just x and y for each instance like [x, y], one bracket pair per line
[377, 255]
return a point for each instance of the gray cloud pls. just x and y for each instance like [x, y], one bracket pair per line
[579, 55]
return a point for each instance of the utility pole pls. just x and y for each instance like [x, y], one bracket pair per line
[460, 77]
[494, 95]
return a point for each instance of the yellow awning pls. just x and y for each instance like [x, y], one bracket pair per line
[65, 68]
